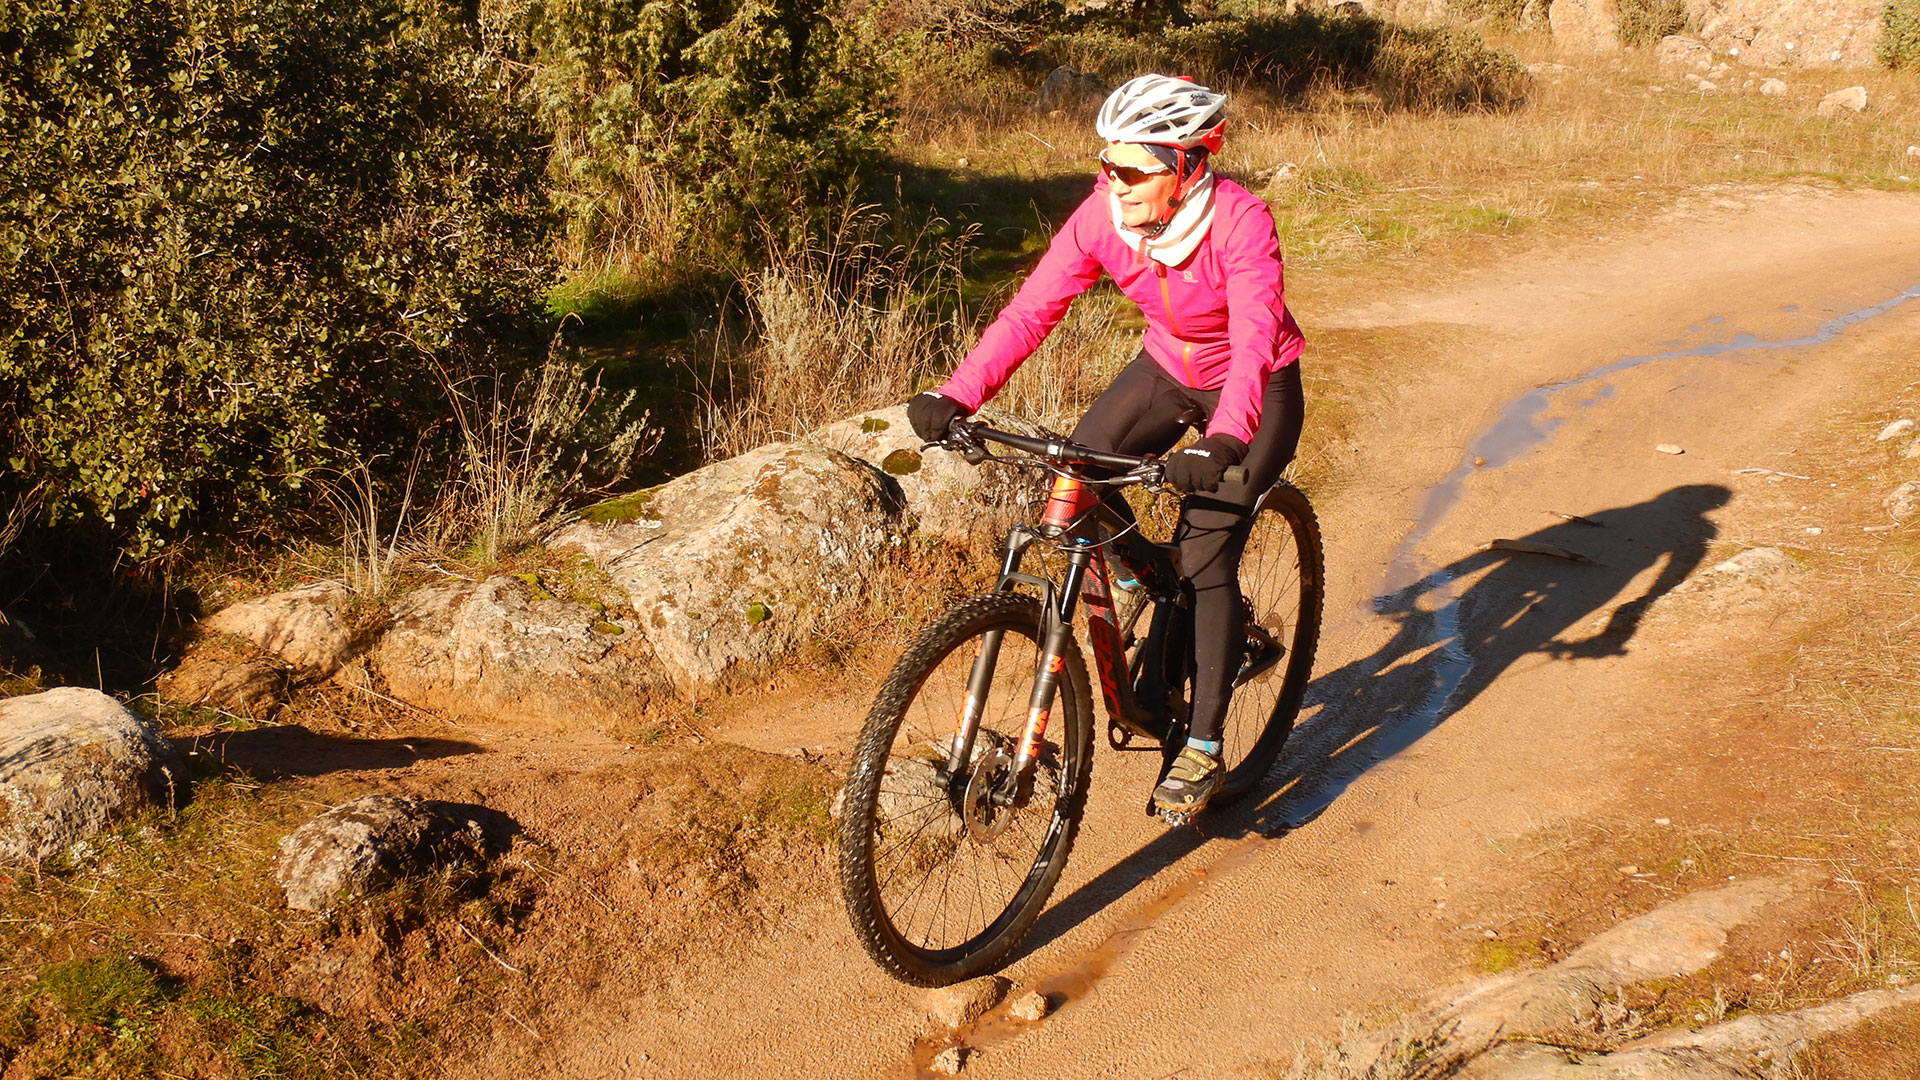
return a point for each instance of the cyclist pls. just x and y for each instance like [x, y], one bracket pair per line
[1199, 254]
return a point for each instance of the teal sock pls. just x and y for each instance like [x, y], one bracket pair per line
[1205, 746]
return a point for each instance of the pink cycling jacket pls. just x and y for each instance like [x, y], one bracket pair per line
[1216, 322]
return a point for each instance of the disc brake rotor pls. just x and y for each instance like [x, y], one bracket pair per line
[987, 819]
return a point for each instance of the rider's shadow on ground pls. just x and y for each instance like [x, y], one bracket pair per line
[1458, 629]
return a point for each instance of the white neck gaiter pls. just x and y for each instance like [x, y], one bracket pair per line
[1182, 235]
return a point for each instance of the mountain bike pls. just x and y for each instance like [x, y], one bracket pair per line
[971, 772]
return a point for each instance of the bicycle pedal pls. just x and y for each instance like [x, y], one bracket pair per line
[1176, 818]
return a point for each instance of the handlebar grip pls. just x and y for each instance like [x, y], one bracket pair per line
[1235, 474]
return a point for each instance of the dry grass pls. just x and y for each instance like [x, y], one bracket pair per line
[1592, 142]
[847, 323]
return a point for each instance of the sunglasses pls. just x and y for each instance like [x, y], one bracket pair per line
[1128, 174]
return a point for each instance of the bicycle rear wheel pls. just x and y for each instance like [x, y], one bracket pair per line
[942, 885]
[1282, 583]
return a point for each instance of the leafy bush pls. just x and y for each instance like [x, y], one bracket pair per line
[1411, 67]
[1434, 68]
[1501, 13]
[710, 116]
[238, 241]
[1900, 35]
[1643, 22]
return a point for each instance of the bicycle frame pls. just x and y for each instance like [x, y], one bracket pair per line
[1073, 517]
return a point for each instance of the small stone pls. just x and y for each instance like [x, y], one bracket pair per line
[1030, 1006]
[963, 1003]
[1706, 86]
[950, 1061]
[1913, 151]
[1902, 426]
[1629, 869]
[1669, 448]
[1662, 821]
[1903, 502]
[1852, 99]
[1773, 87]
[1912, 450]
[1814, 530]
[963, 163]
[1490, 934]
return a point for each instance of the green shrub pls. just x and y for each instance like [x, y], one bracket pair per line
[1435, 68]
[692, 125]
[1643, 22]
[1423, 68]
[1900, 36]
[239, 239]
[1501, 13]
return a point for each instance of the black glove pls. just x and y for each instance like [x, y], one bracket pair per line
[1198, 467]
[932, 413]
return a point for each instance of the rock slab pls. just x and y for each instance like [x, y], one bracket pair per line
[74, 762]
[305, 626]
[1585, 26]
[731, 567]
[1796, 33]
[501, 649]
[359, 847]
[1852, 99]
[946, 498]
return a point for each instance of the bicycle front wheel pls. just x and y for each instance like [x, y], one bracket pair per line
[940, 881]
[1282, 584]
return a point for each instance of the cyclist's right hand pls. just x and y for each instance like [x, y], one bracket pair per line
[932, 413]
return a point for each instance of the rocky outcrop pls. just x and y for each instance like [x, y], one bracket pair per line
[1585, 26]
[306, 626]
[504, 649]
[946, 498]
[74, 762]
[731, 567]
[359, 847]
[1509, 1027]
[1790, 33]
[700, 583]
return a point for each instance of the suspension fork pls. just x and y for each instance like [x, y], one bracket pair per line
[986, 656]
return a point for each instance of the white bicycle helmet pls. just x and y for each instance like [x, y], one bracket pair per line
[1165, 111]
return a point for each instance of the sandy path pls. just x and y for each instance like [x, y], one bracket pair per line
[1273, 934]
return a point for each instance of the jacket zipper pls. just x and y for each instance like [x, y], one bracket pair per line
[1186, 347]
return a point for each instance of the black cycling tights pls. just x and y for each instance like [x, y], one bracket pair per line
[1142, 413]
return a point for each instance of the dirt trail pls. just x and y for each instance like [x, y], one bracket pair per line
[1437, 733]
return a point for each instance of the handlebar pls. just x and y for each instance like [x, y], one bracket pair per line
[966, 436]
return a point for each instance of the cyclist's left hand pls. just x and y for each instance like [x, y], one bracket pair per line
[1199, 467]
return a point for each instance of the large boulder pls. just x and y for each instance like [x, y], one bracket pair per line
[306, 626]
[74, 762]
[1794, 33]
[1585, 26]
[732, 566]
[946, 497]
[360, 847]
[505, 649]
[1841, 102]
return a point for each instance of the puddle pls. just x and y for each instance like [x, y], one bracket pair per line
[1520, 426]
